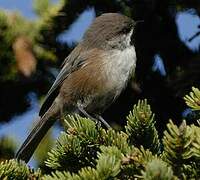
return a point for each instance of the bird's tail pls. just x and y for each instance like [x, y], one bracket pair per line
[32, 141]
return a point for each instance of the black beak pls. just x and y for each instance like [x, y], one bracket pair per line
[139, 21]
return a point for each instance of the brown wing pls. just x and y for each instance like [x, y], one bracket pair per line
[71, 63]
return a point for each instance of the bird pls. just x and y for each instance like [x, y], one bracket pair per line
[91, 77]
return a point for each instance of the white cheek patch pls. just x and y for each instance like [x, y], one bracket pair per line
[125, 39]
[128, 38]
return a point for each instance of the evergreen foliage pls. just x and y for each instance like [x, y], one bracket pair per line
[84, 151]
[157, 170]
[178, 145]
[14, 26]
[78, 145]
[141, 127]
[11, 169]
[193, 99]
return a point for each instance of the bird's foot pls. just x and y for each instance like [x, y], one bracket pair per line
[98, 120]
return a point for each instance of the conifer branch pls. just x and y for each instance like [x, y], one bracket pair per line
[158, 169]
[193, 99]
[141, 127]
[76, 148]
[178, 149]
[86, 152]
[13, 169]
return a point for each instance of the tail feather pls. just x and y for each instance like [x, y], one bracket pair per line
[32, 141]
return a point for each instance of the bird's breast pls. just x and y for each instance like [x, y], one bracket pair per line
[119, 67]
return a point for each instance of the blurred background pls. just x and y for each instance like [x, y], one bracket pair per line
[36, 36]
